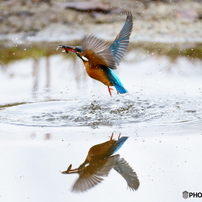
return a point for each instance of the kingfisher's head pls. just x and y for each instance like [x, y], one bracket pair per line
[75, 49]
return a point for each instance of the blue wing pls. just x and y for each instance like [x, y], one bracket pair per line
[120, 44]
[124, 169]
[118, 144]
[96, 49]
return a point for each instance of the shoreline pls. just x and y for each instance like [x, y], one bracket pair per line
[157, 22]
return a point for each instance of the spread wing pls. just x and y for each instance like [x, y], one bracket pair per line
[120, 44]
[94, 176]
[124, 169]
[97, 52]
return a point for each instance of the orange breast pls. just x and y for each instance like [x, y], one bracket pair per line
[100, 151]
[97, 73]
[93, 67]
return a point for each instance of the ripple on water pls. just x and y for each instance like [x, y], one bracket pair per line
[115, 111]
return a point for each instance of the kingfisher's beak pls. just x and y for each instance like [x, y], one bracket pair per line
[70, 171]
[67, 48]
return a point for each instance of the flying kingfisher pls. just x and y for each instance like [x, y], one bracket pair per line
[99, 162]
[100, 58]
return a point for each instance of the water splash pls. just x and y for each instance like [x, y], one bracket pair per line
[111, 112]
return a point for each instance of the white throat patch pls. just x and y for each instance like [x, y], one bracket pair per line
[84, 58]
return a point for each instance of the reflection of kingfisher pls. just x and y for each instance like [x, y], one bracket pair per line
[100, 59]
[99, 162]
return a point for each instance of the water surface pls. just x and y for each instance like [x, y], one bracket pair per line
[51, 113]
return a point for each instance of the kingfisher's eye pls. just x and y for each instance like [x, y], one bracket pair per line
[78, 49]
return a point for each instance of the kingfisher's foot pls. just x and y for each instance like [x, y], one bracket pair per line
[119, 136]
[110, 89]
[112, 135]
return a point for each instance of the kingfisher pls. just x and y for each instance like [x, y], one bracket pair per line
[100, 58]
[98, 164]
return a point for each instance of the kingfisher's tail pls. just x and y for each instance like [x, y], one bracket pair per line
[120, 88]
[114, 79]
[118, 144]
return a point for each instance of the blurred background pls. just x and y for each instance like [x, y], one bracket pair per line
[51, 112]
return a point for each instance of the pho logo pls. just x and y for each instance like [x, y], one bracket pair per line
[186, 194]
